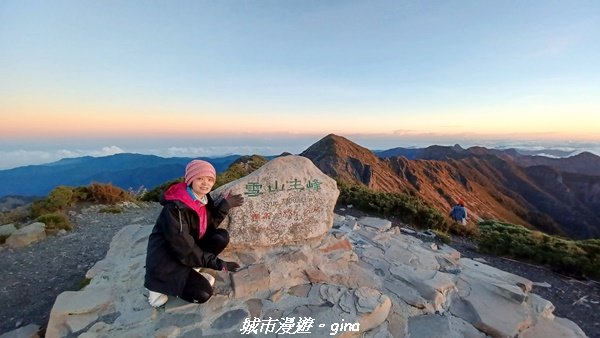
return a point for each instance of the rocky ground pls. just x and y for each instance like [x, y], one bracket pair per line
[574, 299]
[32, 277]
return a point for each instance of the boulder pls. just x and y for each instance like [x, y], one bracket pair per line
[430, 326]
[73, 311]
[287, 200]
[408, 231]
[559, 327]
[488, 273]
[375, 223]
[29, 331]
[7, 230]
[345, 223]
[431, 285]
[506, 318]
[31, 233]
[251, 280]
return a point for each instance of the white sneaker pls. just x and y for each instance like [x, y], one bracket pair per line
[157, 299]
[209, 278]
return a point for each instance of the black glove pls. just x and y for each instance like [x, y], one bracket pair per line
[234, 200]
[230, 266]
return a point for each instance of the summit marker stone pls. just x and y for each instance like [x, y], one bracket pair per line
[288, 200]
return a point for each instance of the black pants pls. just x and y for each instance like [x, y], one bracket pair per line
[197, 288]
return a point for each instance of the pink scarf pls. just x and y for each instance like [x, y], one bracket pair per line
[178, 191]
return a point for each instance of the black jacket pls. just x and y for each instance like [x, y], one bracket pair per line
[173, 246]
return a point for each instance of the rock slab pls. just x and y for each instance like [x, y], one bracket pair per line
[31, 233]
[7, 230]
[288, 200]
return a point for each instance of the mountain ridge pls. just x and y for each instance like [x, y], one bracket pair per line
[559, 196]
[124, 170]
[494, 184]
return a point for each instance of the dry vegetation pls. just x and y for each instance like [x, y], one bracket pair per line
[52, 209]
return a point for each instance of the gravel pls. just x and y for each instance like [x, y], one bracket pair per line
[32, 277]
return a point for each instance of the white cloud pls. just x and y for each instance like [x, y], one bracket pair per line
[111, 150]
[10, 158]
[211, 151]
[16, 158]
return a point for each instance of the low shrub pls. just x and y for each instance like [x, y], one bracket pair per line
[240, 168]
[469, 230]
[81, 194]
[18, 215]
[577, 258]
[55, 221]
[59, 198]
[113, 209]
[408, 208]
[107, 193]
[154, 194]
[137, 193]
[85, 282]
[443, 236]
[41, 207]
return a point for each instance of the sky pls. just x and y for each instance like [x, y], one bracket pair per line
[209, 78]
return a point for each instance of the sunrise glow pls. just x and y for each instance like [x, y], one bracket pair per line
[399, 71]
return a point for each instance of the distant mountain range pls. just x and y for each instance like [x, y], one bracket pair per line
[423, 153]
[556, 195]
[559, 196]
[11, 202]
[582, 163]
[123, 170]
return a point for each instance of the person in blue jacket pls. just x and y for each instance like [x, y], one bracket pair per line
[186, 238]
[459, 213]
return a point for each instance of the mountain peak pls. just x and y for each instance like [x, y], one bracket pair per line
[437, 152]
[339, 157]
[337, 146]
[586, 156]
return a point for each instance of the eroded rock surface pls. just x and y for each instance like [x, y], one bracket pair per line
[287, 200]
[390, 284]
[310, 275]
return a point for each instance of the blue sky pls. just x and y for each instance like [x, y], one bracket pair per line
[95, 76]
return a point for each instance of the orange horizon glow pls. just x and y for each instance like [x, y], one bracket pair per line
[62, 120]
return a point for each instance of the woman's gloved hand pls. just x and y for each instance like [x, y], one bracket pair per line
[234, 200]
[230, 266]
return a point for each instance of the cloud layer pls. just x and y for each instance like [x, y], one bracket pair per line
[47, 153]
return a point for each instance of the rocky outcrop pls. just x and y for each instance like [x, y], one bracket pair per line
[340, 158]
[31, 233]
[354, 279]
[313, 272]
[287, 200]
[29, 331]
[7, 229]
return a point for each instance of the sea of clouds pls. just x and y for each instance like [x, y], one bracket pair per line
[21, 157]
[13, 156]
